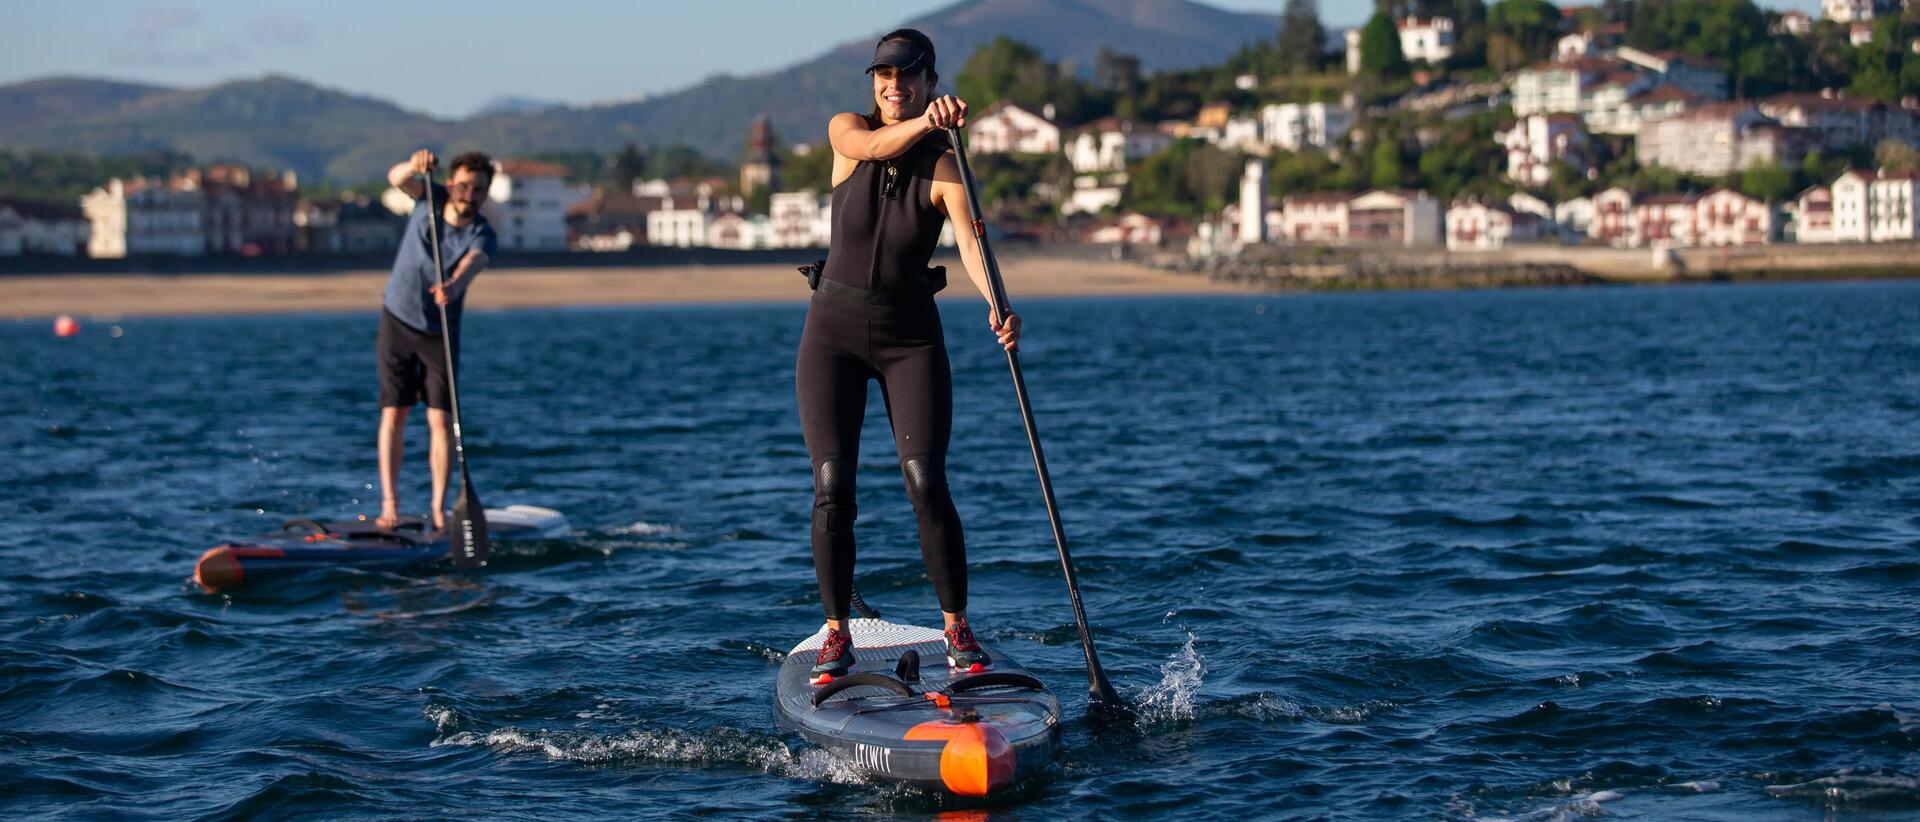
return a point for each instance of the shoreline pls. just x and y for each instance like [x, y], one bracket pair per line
[37, 296]
[227, 293]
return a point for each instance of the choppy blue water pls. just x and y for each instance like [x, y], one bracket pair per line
[1535, 554]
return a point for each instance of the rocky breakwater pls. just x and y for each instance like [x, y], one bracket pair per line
[1322, 268]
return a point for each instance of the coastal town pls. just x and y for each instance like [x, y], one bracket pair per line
[1418, 131]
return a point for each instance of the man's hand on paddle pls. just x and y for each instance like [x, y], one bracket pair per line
[1009, 331]
[405, 175]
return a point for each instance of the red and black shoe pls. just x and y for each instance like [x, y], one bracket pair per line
[835, 659]
[963, 651]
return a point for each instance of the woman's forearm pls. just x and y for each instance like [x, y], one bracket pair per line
[851, 139]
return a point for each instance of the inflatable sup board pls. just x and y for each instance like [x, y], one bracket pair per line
[305, 545]
[903, 715]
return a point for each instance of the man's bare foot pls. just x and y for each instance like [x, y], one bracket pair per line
[439, 519]
[389, 514]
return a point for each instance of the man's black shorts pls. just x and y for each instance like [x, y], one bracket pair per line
[413, 364]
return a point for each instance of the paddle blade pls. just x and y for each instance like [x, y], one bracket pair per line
[1105, 706]
[468, 528]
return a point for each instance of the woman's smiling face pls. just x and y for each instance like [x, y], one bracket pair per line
[899, 96]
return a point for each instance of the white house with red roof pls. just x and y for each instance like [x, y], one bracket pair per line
[1429, 40]
[1669, 219]
[527, 205]
[1852, 201]
[1591, 41]
[41, 227]
[1892, 197]
[1005, 128]
[800, 219]
[1611, 221]
[1726, 217]
[1107, 144]
[1473, 225]
[1398, 217]
[1856, 11]
[1792, 23]
[1314, 218]
[1812, 212]
[1535, 143]
[1719, 139]
[130, 218]
[1837, 122]
[1701, 75]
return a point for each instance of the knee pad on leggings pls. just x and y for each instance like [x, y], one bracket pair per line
[833, 504]
[926, 483]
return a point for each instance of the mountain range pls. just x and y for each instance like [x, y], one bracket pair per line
[284, 122]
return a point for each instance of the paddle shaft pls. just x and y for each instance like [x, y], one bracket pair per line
[1098, 688]
[471, 546]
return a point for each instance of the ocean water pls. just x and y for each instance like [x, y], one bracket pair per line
[1492, 555]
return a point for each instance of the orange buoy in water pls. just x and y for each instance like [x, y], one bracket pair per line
[65, 326]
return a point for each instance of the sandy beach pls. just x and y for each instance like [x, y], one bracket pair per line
[192, 294]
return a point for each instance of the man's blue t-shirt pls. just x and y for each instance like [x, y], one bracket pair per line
[409, 294]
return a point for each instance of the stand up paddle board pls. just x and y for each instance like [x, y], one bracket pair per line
[305, 545]
[903, 715]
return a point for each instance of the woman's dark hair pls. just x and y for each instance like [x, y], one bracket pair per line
[918, 38]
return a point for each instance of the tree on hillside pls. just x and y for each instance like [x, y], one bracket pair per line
[1380, 48]
[1767, 182]
[45, 175]
[1886, 67]
[1732, 31]
[628, 165]
[1117, 73]
[1189, 179]
[1470, 29]
[1520, 32]
[812, 168]
[1010, 70]
[1000, 69]
[1897, 156]
[1302, 38]
[1387, 169]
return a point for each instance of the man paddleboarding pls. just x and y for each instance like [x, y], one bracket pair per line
[411, 352]
[872, 317]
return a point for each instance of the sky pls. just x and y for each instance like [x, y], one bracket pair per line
[573, 51]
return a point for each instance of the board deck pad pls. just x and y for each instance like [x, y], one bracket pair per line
[305, 545]
[984, 740]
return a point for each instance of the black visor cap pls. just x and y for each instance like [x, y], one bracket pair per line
[904, 56]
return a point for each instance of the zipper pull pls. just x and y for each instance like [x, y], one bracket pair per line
[892, 178]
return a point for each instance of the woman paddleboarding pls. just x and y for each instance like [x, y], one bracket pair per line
[872, 317]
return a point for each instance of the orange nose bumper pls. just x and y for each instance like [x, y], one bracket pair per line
[976, 760]
[218, 569]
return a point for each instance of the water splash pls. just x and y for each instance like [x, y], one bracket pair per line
[644, 529]
[1172, 699]
[1575, 807]
[721, 747]
[1850, 788]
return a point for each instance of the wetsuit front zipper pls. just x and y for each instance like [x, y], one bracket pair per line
[887, 183]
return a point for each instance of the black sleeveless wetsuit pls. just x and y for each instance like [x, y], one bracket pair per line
[872, 317]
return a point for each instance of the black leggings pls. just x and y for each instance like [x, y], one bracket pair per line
[845, 345]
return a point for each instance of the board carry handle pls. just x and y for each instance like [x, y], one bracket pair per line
[992, 679]
[304, 524]
[858, 680]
